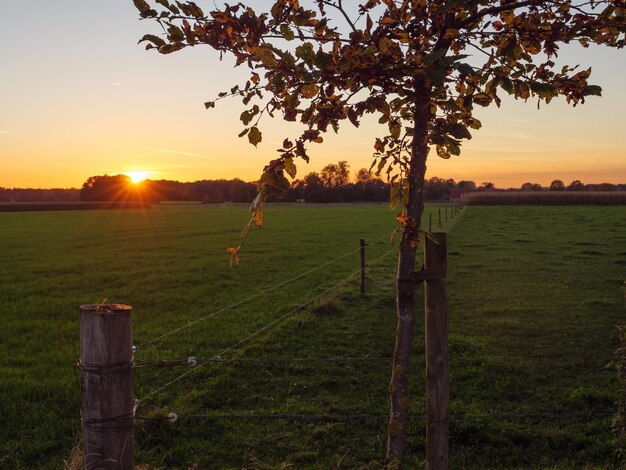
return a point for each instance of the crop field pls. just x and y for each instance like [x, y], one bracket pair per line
[545, 198]
[535, 297]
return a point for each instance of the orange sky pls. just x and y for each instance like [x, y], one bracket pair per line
[78, 100]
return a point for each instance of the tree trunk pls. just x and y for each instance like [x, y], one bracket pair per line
[405, 299]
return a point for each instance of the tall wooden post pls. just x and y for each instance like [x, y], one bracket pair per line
[362, 266]
[106, 374]
[437, 391]
[439, 211]
[446, 214]
[430, 222]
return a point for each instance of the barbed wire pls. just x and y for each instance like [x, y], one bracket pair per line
[247, 299]
[262, 329]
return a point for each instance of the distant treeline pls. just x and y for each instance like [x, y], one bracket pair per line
[332, 184]
[39, 195]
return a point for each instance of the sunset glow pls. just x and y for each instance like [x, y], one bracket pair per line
[137, 176]
[119, 112]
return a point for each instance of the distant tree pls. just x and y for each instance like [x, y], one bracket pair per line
[334, 175]
[606, 187]
[436, 189]
[557, 185]
[117, 188]
[466, 185]
[531, 187]
[487, 185]
[363, 175]
[575, 185]
[420, 66]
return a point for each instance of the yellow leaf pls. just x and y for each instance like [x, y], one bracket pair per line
[290, 167]
[257, 215]
[309, 91]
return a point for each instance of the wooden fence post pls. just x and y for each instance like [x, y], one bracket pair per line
[106, 377]
[439, 210]
[362, 266]
[436, 328]
[430, 222]
[446, 214]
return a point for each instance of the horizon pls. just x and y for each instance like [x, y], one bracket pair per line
[352, 180]
[102, 104]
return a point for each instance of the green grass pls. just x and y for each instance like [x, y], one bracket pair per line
[535, 294]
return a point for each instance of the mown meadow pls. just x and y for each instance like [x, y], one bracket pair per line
[535, 297]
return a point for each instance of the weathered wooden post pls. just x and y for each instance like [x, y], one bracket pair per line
[430, 222]
[439, 211]
[436, 328]
[106, 361]
[362, 266]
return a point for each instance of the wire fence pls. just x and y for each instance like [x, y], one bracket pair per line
[212, 359]
[253, 296]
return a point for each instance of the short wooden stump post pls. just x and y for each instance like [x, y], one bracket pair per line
[106, 361]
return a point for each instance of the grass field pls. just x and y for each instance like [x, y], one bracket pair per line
[535, 294]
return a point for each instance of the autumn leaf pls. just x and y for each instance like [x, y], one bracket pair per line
[290, 167]
[257, 216]
[309, 91]
[255, 136]
[234, 256]
[402, 218]
[142, 6]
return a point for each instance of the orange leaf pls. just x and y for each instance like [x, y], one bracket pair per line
[234, 256]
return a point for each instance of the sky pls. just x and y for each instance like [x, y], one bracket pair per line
[79, 97]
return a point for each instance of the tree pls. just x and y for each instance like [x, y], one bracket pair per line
[117, 188]
[607, 187]
[363, 175]
[335, 175]
[487, 185]
[436, 188]
[557, 185]
[575, 185]
[419, 65]
[466, 185]
[531, 187]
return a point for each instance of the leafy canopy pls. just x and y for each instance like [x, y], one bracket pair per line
[322, 62]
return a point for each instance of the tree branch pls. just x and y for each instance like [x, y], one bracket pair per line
[339, 7]
[492, 10]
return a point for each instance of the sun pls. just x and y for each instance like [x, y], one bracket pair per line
[137, 176]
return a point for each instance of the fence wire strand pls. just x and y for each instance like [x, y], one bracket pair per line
[453, 417]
